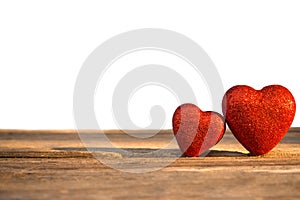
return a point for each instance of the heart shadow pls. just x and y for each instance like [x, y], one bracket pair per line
[222, 153]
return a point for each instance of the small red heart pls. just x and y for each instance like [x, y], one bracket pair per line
[197, 131]
[259, 119]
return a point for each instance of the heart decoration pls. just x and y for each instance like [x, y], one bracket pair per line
[259, 119]
[197, 131]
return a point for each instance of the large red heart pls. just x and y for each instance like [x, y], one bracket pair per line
[197, 131]
[259, 119]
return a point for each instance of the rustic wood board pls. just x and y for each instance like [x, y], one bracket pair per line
[55, 165]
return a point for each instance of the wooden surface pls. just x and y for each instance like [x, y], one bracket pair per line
[56, 165]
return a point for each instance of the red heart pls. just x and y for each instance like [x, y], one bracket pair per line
[259, 119]
[197, 131]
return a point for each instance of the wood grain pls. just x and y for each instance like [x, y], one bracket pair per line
[54, 164]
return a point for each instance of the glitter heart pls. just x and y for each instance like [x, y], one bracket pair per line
[197, 131]
[259, 119]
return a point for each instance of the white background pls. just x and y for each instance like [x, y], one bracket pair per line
[44, 43]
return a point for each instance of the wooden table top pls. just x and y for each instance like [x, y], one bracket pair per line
[54, 164]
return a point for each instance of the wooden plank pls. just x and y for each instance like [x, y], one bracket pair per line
[54, 164]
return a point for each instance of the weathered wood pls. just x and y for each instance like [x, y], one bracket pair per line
[51, 164]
